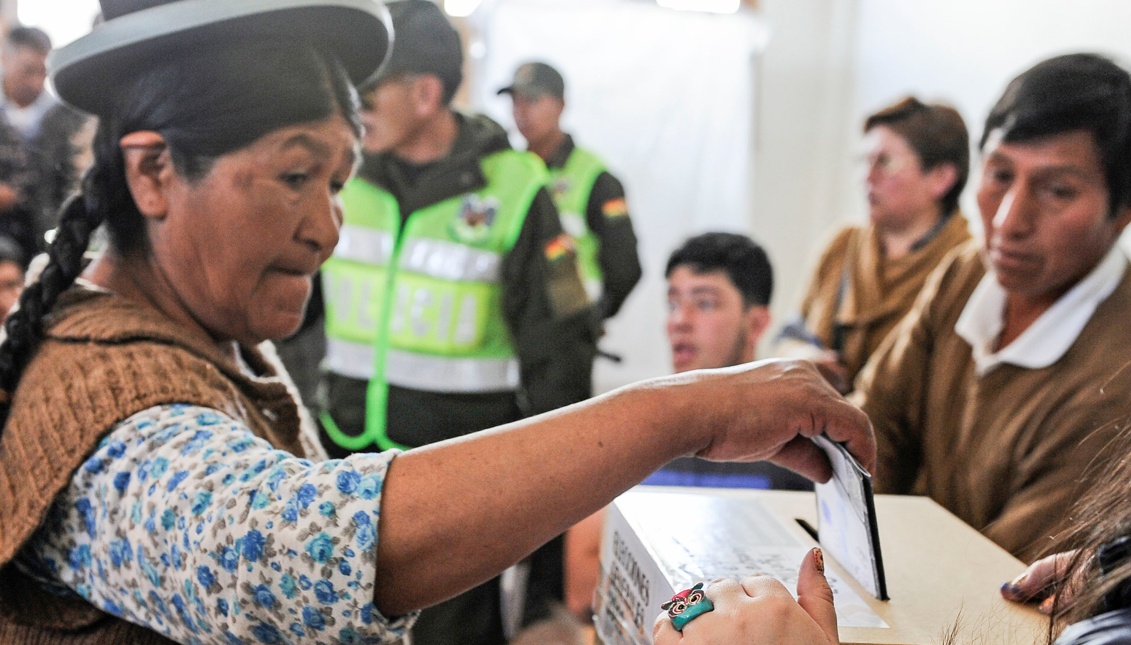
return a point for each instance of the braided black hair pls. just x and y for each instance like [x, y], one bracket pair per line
[216, 99]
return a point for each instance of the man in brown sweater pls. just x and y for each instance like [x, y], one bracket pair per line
[997, 392]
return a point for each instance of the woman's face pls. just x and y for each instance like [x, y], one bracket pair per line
[898, 188]
[239, 247]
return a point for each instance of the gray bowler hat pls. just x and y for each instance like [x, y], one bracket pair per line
[90, 72]
[536, 79]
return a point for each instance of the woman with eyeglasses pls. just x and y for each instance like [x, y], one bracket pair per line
[916, 160]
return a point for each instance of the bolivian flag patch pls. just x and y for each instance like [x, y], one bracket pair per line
[615, 208]
[560, 247]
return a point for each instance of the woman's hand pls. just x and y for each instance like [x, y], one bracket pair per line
[768, 411]
[1038, 583]
[760, 610]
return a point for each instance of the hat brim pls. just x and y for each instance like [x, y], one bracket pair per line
[87, 73]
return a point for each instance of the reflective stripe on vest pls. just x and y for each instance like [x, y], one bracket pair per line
[571, 185]
[422, 307]
[423, 372]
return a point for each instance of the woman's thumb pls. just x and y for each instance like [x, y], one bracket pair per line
[814, 594]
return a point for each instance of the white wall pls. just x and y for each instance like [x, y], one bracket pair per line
[804, 138]
[63, 20]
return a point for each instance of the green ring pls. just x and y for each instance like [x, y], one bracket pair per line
[694, 611]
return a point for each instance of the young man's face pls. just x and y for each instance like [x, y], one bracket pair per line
[708, 324]
[1045, 208]
[25, 71]
[393, 113]
[537, 116]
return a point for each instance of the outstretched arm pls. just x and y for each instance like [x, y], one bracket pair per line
[457, 513]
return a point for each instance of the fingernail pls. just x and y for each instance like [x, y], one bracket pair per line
[1019, 580]
[1046, 606]
[1009, 590]
[819, 560]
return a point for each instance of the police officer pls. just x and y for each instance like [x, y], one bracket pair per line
[453, 302]
[589, 199]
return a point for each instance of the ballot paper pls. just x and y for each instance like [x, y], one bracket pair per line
[846, 516]
[658, 543]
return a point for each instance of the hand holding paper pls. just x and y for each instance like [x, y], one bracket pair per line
[783, 405]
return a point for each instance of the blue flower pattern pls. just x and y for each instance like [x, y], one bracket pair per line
[185, 522]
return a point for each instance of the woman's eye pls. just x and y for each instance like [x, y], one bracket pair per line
[336, 187]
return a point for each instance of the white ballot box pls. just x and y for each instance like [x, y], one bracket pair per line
[940, 572]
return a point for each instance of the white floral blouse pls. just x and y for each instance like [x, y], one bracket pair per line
[185, 522]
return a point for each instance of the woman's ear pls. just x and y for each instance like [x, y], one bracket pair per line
[149, 171]
[943, 178]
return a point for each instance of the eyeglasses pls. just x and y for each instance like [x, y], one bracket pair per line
[883, 163]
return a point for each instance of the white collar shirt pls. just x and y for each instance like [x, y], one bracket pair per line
[1049, 336]
[26, 120]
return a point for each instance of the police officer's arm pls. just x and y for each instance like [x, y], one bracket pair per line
[456, 513]
[548, 312]
[607, 216]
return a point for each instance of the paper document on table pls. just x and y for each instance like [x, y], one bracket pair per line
[698, 538]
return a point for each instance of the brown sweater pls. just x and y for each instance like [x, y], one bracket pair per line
[1004, 451]
[103, 359]
[859, 295]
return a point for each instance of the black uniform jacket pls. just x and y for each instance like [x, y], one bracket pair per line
[553, 326]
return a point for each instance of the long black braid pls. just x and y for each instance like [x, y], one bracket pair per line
[104, 191]
[205, 103]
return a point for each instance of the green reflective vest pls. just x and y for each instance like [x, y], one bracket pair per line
[571, 186]
[421, 306]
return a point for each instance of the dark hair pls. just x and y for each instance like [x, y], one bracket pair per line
[1100, 519]
[10, 251]
[938, 135]
[745, 263]
[31, 38]
[216, 99]
[1073, 92]
[426, 44]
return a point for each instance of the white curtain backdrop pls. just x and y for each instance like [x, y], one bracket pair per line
[666, 98]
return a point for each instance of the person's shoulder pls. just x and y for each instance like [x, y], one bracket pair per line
[835, 247]
[954, 279]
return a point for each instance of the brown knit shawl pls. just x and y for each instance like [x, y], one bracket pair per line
[866, 294]
[103, 359]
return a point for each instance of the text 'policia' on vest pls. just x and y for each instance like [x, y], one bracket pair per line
[419, 305]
